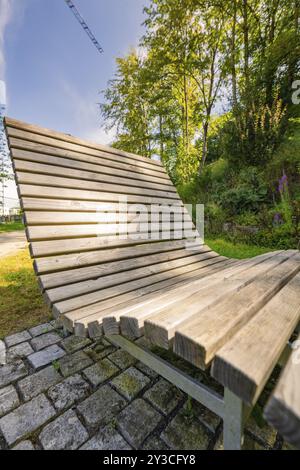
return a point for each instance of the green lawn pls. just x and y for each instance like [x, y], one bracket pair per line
[21, 302]
[11, 227]
[236, 250]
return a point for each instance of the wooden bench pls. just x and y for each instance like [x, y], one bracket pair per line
[88, 212]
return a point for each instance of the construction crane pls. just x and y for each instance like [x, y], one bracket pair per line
[84, 25]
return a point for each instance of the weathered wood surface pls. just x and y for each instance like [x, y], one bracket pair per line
[199, 339]
[265, 337]
[160, 327]
[132, 291]
[132, 319]
[283, 409]
[211, 310]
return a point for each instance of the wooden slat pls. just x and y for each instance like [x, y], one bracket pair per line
[47, 168]
[72, 276]
[85, 148]
[13, 124]
[63, 205]
[88, 292]
[131, 292]
[55, 264]
[182, 273]
[72, 183]
[52, 232]
[199, 339]
[38, 153]
[162, 317]
[63, 218]
[40, 191]
[239, 365]
[283, 409]
[77, 245]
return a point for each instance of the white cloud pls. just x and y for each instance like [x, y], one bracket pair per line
[6, 7]
[86, 116]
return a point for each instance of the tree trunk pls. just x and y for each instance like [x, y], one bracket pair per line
[233, 57]
[204, 146]
[161, 142]
[246, 45]
[186, 114]
[270, 75]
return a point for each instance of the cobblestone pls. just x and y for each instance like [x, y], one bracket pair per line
[43, 341]
[26, 419]
[11, 372]
[107, 438]
[17, 338]
[100, 372]
[69, 365]
[68, 392]
[130, 383]
[8, 399]
[64, 433]
[46, 356]
[36, 383]
[101, 407]
[137, 421]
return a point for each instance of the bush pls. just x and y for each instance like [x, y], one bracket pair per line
[247, 195]
[281, 238]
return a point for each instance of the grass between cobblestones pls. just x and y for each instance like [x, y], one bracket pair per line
[21, 302]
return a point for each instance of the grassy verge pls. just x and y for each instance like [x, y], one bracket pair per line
[11, 227]
[21, 303]
[235, 250]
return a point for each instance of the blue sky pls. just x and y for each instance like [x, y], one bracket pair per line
[53, 72]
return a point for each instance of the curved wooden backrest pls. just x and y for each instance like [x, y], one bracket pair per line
[74, 195]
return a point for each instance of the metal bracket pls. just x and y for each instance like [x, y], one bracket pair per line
[230, 408]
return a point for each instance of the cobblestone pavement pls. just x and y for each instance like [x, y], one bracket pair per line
[60, 392]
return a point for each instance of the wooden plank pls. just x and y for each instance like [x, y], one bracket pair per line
[143, 285]
[238, 365]
[94, 314]
[199, 339]
[40, 191]
[39, 153]
[63, 218]
[55, 264]
[65, 205]
[60, 279]
[87, 292]
[72, 183]
[109, 319]
[12, 125]
[47, 168]
[52, 232]
[142, 162]
[58, 247]
[283, 409]
[122, 166]
[163, 316]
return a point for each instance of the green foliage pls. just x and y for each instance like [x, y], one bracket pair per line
[248, 193]
[163, 100]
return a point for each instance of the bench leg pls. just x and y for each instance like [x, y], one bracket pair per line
[233, 421]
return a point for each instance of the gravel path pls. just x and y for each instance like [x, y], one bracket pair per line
[11, 242]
